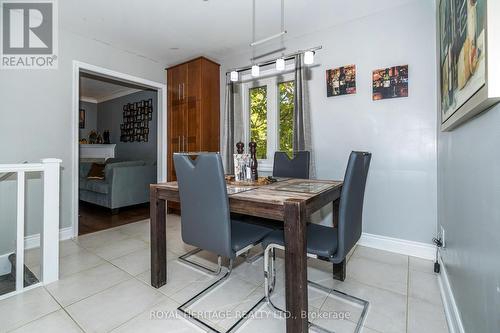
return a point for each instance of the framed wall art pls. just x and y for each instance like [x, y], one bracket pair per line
[81, 118]
[136, 118]
[469, 58]
[341, 81]
[391, 82]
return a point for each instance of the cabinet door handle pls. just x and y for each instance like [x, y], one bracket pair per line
[179, 92]
[179, 145]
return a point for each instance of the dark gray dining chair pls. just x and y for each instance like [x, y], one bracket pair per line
[297, 167]
[327, 243]
[285, 167]
[205, 218]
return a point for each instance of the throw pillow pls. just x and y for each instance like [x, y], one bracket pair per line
[96, 171]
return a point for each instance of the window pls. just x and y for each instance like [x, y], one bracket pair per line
[258, 120]
[286, 94]
[269, 105]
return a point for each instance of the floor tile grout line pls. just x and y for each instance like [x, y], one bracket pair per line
[50, 313]
[65, 311]
[131, 277]
[377, 287]
[95, 293]
[83, 270]
[139, 314]
[240, 303]
[38, 318]
[109, 287]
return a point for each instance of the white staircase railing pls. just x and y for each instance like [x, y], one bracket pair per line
[49, 238]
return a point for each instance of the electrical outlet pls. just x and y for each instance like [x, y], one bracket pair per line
[443, 238]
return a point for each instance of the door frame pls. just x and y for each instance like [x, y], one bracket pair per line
[161, 89]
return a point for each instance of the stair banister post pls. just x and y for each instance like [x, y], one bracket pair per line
[50, 232]
[20, 230]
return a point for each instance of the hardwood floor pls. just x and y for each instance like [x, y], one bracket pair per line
[94, 218]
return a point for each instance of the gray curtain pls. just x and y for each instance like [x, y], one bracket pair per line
[302, 117]
[227, 147]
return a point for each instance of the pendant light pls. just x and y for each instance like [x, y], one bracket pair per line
[234, 76]
[309, 57]
[255, 71]
[280, 64]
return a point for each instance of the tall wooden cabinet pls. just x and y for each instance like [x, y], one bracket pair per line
[193, 108]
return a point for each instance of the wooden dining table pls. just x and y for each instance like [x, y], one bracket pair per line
[291, 201]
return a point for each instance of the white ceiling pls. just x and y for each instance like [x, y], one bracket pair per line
[168, 31]
[96, 90]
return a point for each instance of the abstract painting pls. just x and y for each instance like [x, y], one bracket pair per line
[341, 81]
[462, 52]
[391, 82]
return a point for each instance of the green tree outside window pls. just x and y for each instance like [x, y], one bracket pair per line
[286, 106]
[258, 120]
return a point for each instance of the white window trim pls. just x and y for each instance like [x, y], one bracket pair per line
[271, 82]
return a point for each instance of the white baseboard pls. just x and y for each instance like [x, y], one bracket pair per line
[33, 241]
[424, 251]
[5, 264]
[396, 245]
[450, 306]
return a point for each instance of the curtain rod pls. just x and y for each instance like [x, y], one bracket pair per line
[269, 62]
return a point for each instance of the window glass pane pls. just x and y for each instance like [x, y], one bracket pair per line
[258, 120]
[286, 92]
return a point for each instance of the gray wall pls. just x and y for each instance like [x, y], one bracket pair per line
[36, 110]
[469, 211]
[401, 191]
[110, 116]
[90, 118]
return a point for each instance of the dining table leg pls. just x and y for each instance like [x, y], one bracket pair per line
[335, 213]
[296, 267]
[158, 226]
[339, 271]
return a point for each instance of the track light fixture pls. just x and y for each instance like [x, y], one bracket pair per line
[234, 76]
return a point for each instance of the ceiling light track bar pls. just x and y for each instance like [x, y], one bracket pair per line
[267, 39]
[270, 62]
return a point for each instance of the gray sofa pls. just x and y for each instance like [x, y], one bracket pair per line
[125, 184]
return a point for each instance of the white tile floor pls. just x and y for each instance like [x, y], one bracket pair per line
[104, 287]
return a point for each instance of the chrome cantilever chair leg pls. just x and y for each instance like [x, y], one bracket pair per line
[199, 322]
[184, 307]
[184, 259]
[270, 285]
[251, 259]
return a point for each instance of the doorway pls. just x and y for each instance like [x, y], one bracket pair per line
[119, 146]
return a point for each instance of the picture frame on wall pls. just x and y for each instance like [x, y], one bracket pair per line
[81, 118]
[341, 81]
[469, 59]
[136, 118]
[390, 82]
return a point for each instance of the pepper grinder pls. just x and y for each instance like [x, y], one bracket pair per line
[239, 147]
[253, 160]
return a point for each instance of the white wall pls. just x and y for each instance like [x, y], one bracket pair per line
[36, 106]
[400, 198]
